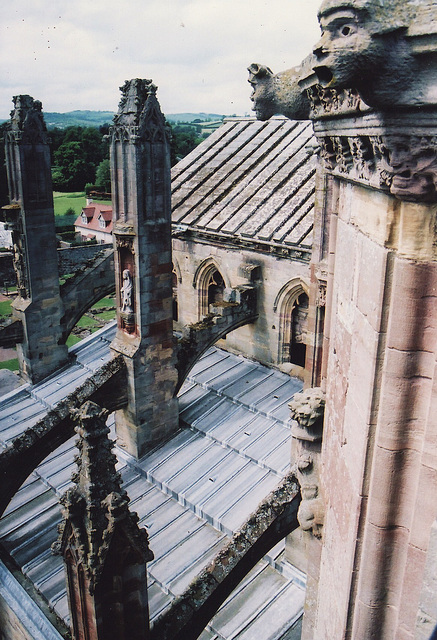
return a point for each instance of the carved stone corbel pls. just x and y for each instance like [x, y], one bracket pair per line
[307, 410]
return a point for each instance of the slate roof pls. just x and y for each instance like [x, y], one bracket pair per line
[249, 180]
[192, 493]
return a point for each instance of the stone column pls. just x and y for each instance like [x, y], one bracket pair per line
[141, 191]
[31, 218]
[379, 463]
[372, 85]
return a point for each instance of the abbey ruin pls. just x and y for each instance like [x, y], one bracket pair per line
[256, 434]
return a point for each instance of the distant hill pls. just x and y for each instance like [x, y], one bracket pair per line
[189, 117]
[77, 119]
[98, 118]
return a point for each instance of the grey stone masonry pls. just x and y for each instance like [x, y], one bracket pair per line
[140, 171]
[30, 217]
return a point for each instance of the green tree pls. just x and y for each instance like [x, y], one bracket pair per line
[184, 139]
[76, 154]
[103, 175]
[71, 170]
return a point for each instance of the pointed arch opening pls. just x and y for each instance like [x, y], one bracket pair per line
[210, 284]
[293, 304]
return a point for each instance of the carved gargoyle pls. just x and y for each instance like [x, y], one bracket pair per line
[279, 93]
[369, 46]
[307, 409]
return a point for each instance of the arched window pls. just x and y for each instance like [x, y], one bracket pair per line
[215, 288]
[174, 286]
[210, 285]
[292, 304]
[297, 346]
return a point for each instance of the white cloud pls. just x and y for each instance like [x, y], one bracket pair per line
[75, 55]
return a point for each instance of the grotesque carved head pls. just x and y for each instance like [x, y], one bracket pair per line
[412, 165]
[362, 41]
[308, 407]
[263, 93]
[347, 50]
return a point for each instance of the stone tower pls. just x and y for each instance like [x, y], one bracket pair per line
[141, 198]
[31, 219]
[104, 549]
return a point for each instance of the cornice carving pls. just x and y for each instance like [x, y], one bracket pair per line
[328, 102]
[404, 165]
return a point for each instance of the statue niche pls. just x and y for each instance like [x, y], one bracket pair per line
[126, 302]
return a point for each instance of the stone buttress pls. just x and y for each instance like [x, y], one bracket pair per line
[141, 193]
[30, 217]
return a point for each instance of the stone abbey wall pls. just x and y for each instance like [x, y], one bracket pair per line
[272, 276]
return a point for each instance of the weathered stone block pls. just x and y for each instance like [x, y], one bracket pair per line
[372, 281]
[386, 549]
[413, 322]
[392, 491]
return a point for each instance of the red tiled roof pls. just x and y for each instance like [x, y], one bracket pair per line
[93, 212]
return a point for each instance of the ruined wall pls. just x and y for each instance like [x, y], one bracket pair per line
[70, 259]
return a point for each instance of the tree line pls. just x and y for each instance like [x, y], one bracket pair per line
[80, 156]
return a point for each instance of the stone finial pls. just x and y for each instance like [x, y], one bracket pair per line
[139, 108]
[133, 97]
[97, 504]
[27, 120]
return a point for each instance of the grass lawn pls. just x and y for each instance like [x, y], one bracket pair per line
[109, 301]
[5, 307]
[86, 321]
[12, 365]
[64, 201]
[107, 315]
[72, 339]
[75, 200]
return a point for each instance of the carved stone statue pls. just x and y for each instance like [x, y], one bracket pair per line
[126, 293]
[307, 409]
[374, 47]
[363, 46]
[279, 94]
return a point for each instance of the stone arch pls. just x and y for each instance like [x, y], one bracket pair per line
[106, 386]
[85, 288]
[176, 279]
[210, 282]
[291, 304]
[177, 270]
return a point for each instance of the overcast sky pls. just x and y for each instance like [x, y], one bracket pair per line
[75, 54]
